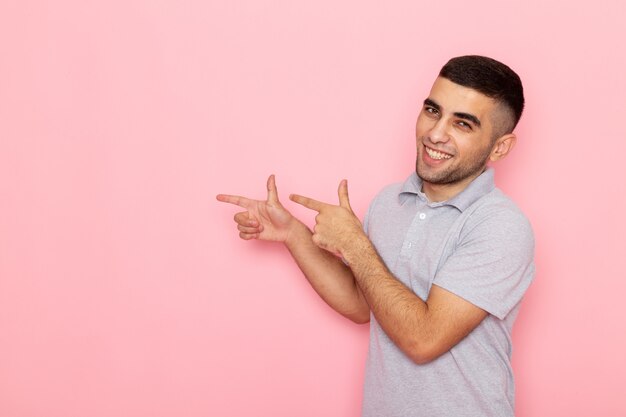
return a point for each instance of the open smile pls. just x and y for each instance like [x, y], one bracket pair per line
[437, 155]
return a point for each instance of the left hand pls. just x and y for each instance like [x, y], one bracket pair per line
[337, 228]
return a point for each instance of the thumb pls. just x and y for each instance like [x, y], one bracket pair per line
[272, 191]
[344, 200]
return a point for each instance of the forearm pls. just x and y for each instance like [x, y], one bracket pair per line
[327, 274]
[403, 315]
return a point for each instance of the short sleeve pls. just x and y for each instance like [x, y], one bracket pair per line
[492, 265]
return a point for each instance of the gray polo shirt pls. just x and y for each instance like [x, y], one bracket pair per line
[477, 245]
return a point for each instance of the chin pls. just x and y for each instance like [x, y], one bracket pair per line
[438, 177]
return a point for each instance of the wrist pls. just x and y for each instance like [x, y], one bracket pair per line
[296, 232]
[360, 248]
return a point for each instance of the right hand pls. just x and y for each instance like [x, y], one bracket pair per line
[265, 220]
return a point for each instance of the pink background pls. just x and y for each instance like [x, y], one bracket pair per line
[124, 289]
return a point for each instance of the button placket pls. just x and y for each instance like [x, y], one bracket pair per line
[408, 243]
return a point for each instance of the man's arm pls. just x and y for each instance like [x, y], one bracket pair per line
[423, 330]
[333, 281]
[327, 274]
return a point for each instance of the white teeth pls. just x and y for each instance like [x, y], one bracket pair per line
[437, 155]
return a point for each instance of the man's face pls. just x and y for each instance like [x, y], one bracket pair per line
[454, 134]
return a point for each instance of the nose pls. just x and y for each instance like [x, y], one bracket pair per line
[438, 133]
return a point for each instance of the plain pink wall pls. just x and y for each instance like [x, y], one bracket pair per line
[124, 290]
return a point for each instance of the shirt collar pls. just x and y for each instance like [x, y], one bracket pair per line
[483, 184]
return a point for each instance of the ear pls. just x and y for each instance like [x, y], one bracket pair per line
[503, 145]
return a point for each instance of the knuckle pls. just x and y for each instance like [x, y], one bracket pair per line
[248, 236]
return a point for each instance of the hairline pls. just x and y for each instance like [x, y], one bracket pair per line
[501, 109]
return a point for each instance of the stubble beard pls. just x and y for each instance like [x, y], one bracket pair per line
[454, 173]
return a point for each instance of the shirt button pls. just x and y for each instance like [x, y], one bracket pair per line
[422, 216]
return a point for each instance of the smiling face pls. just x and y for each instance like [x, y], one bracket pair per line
[457, 132]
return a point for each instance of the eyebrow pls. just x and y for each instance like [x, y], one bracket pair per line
[460, 115]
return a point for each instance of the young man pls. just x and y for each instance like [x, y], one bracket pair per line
[441, 262]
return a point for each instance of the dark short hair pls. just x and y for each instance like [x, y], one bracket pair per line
[489, 77]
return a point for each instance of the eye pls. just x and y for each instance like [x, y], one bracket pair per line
[431, 111]
[464, 125]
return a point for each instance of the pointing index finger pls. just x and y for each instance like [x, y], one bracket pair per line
[307, 202]
[234, 199]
